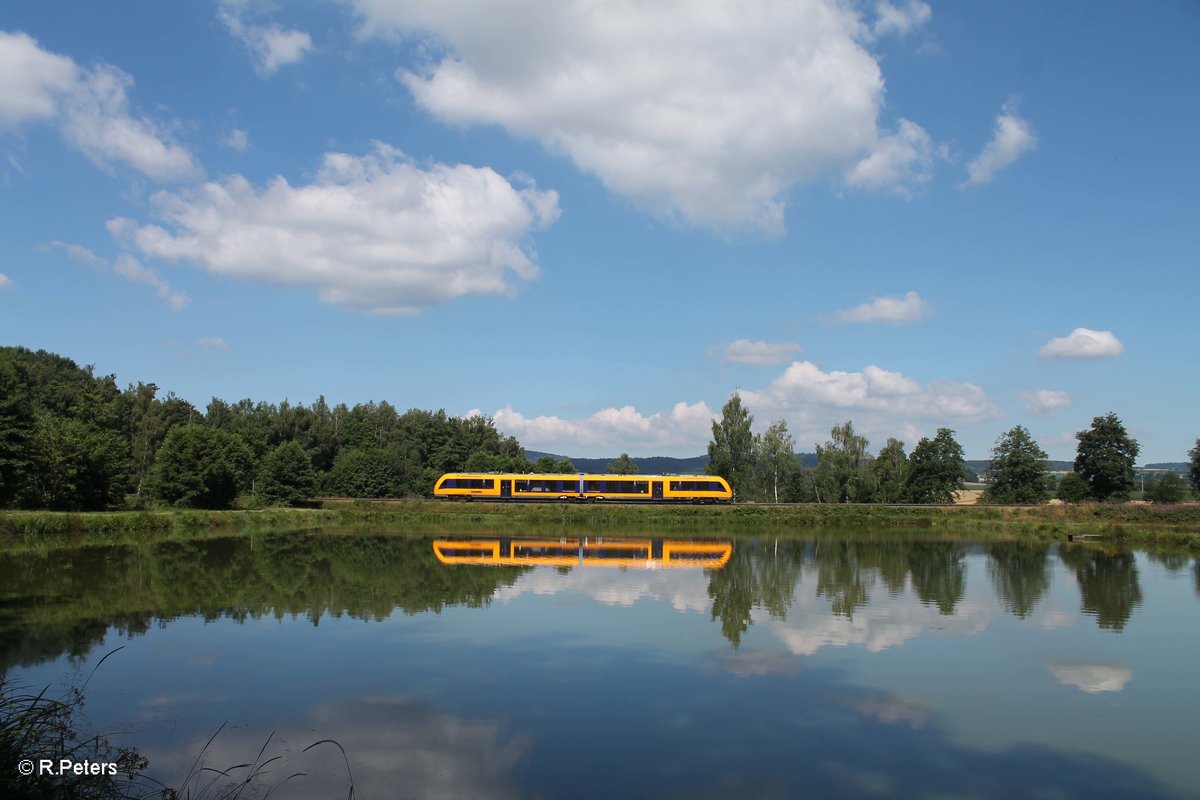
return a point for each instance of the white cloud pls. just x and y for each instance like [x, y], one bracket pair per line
[900, 20]
[77, 252]
[898, 164]
[1092, 677]
[237, 139]
[761, 354]
[272, 46]
[881, 403]
[1012, 138]
[214, 342]
[127, 267]
[685, 591]
[90, 107]
[32, 81]
[373, 233]
[892, 310]
[681, 430]
[706, 112]
[1045, 402]
[133, 271]
[6, 282]
[1083, 343]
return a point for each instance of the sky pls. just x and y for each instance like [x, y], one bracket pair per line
[595, 221]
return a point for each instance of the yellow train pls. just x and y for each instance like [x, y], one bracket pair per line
[583, 488]
[620, 553]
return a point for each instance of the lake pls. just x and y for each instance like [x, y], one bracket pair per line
[471, 665]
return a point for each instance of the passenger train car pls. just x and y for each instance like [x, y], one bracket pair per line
[583, 488]
[620, 553]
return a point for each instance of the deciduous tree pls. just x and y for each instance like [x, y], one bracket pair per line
[200, 467]
[1017, 472]
[624, 465]
[776, 456]
[890, 468]
[286, 476]
[1194, 467]
[935, 471]
[1105, 458]
[1073, 488]
[1166, 488]
[731, 451]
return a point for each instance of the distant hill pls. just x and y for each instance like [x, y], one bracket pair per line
[1182, 467]
[979, 466]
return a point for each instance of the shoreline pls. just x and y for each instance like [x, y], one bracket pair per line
[1175, 524]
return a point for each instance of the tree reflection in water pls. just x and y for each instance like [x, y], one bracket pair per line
[1020, 573]
[1108, 583]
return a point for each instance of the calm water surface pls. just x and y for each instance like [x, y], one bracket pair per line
[475, 667]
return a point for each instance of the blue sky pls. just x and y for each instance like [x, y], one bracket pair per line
[595, 221]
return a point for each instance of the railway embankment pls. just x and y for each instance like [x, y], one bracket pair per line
[1167, 523]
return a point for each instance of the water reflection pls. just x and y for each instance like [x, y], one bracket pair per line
[883, 590]
[1092, 677]
[1108, 583]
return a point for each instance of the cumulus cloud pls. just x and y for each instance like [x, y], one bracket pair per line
[373, 233]
[681, 430]
[684, 591]
[1045, 402]
[704, 112]
[1012, 138]
[271, 45]
[90, 107]
[1083, 343]
[811, 401]
[899, 164]
[900, 19]
[32, 80]
[761, 354]
[127, 267]
[892, 310]
[1092, 677]
[881, 403]
[133, 271]
[237, 139]
[214, 342]
[6, 282]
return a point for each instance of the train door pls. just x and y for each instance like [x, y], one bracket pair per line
[657, 489]
[506, 489]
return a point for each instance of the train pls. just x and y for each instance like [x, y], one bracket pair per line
[583, 488]
[587, 552]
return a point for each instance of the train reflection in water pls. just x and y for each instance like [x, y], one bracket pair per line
[586, 552]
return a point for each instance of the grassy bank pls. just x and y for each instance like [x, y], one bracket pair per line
[1135, 522]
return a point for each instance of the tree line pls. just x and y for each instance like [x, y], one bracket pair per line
[73, 440]
[765, 467]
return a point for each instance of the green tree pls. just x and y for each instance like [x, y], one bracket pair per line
[1073, 488]
[200, 467]
[1194, 467]
[1020, 573]
[776, 452]
[77, 466]
[1017, 472]
[842, 475]
[286, 476]
[890, 468]
[1105, 458]
[731, 451]
[624, 465]
[17, 423]
[935, 471]
[1166, 488]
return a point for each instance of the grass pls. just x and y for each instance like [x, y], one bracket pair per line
[1175, 524]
